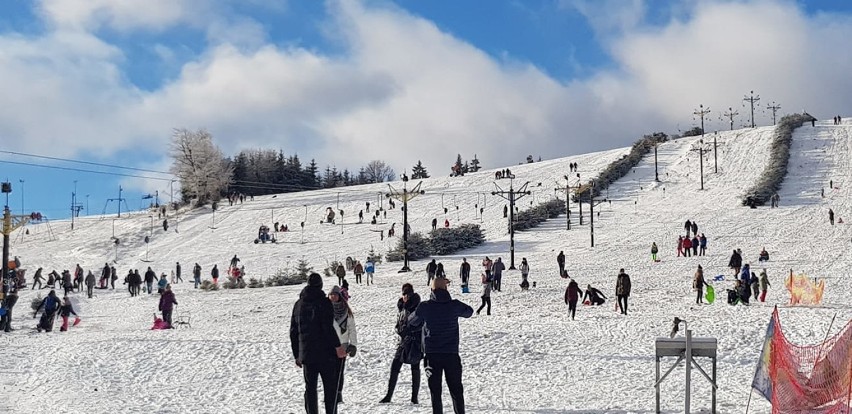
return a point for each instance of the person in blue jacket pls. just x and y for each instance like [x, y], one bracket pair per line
[51, 305]
[370, 268]
[439, 316]
[745, 275]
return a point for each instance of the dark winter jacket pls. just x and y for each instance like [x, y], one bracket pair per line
[340, 271]
[736, 260]
[560, 259]
[465, 268]
[67, 310]
[439, 316]
[90, 279]
[177, 271]
[573, 292]
[497, 269]
[431, 268]
[593, 294]
[136, 279]
[702, 242]
[214, 273]
[312, 335]
[50, 304]
[622, 285]
[167, 301]
[38, 277]
[745, 275]
[196, 272]
[150, 276]
[408, 349]
[358, 270]
[105, 272]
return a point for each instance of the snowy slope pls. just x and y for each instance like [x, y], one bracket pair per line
[527, 357]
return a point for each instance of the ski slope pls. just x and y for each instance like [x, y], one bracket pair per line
[527, 357]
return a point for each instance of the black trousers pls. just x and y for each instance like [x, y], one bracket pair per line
[167, 317]
[622, 304]
[89, 290]
[34, 283]
[328, 371]
[448, 365]
[699, 295]
[572, 308]
[396, 367]
[486, 301]
[357, 278]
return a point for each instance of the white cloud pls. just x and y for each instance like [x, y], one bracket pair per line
[609, 17]
[403, 90]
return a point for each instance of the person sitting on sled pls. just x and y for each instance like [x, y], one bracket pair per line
[596, 297]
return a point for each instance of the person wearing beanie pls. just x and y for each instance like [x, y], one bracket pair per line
[315, 344]
[698, 284]
[344, 325]
[439, 316]
[408, 350]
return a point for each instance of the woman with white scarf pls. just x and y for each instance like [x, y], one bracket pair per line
[344, 325]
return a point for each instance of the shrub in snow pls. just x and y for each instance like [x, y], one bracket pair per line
[233, 283]
[779, 155]
[528, 219]
[373, 257]
[303, 269]
[418, 248]
[208, 285]
[622, 166]
[36, 302]
[445, 241]
[285, 278]
[329, 270]
[254, 283]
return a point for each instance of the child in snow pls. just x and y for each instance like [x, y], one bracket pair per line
[698, 284]
[680, 246]
[525, 272]
[764, 284]
[654, 251]
[687, 246]
[65, 311]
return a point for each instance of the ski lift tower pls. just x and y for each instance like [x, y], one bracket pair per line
[405, 195]
[686, 348]
[10, 223]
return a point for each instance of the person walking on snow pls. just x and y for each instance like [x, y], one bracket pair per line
[486, 295]
[702, 242]
[755, 285]
[50, 304]
[831, 216]
[370, 268]
[341, 274]
[654, 251]
[344, 326]
[464, 272]
[65, 311]
[698, 284]
[439, 316]
[572, 295]
[358, 269]
[431, 268]
[315, 344]
[736, 262]
[408, 349]
[525, 272]
[214, 273]
[687, 226]
[167, 302]
[178, 279]
[764, 285]
[196, 274]
[622, 290]
[695, 242]
[37, 279]
[560, 260]
[90, 284]
[497, 274]
[150, 275]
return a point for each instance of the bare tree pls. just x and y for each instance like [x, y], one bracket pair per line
[203, 171]
[377, 171]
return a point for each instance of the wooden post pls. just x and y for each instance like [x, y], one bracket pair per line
[688, 370]
[657, 386]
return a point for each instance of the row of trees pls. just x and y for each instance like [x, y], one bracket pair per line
[206, 174]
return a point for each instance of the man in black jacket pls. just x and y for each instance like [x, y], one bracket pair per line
[439, 316]
[560, 260]
[316, 346]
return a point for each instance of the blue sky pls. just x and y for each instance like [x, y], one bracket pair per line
[348, 81]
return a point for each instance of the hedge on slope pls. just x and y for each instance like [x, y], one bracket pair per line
[450, 240]
[418, 248]
[779, 156]
[528, 219]
[622, 166]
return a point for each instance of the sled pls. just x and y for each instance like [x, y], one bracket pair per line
[710, 295]
[718, 278]
[76, 321]
[657, 261]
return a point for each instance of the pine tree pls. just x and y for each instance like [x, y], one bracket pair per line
[474, 164]
[419, 171]
[303, 270]
[458, 167]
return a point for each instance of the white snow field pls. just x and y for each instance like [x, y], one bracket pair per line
[527, 357]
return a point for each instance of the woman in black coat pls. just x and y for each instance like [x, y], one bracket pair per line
[408, 350]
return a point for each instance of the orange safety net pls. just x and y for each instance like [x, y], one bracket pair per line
[803, 291]
[805, 378]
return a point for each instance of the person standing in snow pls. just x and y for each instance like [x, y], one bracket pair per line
[755, 285]
[370, 268]
[439, 271]
[695, 242]
[90, 284]
[497, 274]
[680, 247]
[622, 290]
[831, 216]
[162, 283]
[572, 295]
[431, 268]
[654, 251]
[51, 305]
[344, 325]
[196, 275]
[439, 316]
[486, 295]
[698, 284]
[37, 278]
[178, 279]
[560, 260]
[167, 302]
[694, 228]
[65, 311]
[525, 272]
[434, 224]
[687, 226]
[702, 244]
[358, 269]
[150, 276]
[408, 350]
[687, 247]
[464, 272]
[315, 344]
[341, 274]
[214, 273]
[764, 285]
[736, 262]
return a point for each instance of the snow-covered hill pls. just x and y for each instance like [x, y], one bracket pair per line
[526, 357]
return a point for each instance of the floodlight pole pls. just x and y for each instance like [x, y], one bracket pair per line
[730, 115]
[701, 112]
[773, 107]
[511, 196]
[405, 196]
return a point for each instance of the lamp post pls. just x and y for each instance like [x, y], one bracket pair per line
[405, 196]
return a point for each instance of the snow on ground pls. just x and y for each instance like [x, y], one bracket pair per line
[527, 357]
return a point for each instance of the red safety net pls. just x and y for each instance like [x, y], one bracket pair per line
[806, 378]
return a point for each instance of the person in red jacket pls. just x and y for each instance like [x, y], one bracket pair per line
[572, 295]
[687, 247]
